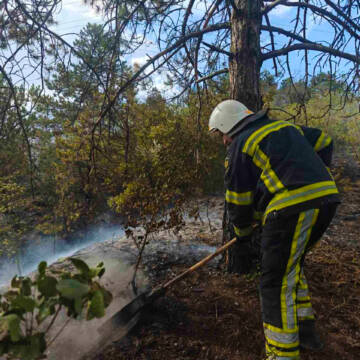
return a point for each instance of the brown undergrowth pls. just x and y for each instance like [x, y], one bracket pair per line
[216, 316]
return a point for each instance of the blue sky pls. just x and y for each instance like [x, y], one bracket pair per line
[74, 15]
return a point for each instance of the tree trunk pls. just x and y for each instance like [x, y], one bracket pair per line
[244, 65]
[244, 72]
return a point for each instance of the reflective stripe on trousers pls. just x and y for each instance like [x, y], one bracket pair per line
[304, 309]
[283, 342]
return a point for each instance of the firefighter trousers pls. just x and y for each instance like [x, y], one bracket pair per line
[284, 294]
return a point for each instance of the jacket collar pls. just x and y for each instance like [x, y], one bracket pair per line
[250, 119]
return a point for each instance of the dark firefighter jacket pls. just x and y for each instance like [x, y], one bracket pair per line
[271, 167]
[321, 143]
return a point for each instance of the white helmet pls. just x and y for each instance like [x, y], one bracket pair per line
[227, 114]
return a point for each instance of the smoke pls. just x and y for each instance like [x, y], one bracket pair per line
[51, 248]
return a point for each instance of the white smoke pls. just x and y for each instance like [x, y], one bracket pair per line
[50, 249]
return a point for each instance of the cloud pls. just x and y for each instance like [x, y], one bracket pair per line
[82, 11]
[281, 10]
[139, 61]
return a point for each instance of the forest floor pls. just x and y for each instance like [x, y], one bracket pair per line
[216, 316]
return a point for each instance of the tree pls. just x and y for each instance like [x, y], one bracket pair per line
[198, 44]
[199, 40]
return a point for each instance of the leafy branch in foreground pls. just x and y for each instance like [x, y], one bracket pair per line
[31, 307]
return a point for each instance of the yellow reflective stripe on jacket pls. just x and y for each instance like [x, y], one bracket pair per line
[297, 196]
[257, 136]
[240, 232]
[268, 176]
[233, 197]
[322, 142]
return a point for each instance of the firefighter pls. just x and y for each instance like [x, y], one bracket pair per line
[273, 173]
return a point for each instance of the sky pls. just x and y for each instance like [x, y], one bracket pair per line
[74, 15]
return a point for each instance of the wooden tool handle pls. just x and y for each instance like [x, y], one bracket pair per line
[200, 263]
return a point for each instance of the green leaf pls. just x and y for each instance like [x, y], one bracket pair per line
[11, 325]
[47, 286]
[72, 289]
[42, 268]
[24, 303]
[80, 265]
[101, 272]
[107, 297]
[97, 272]
[96, 308]
[44, 312]
[94, 272]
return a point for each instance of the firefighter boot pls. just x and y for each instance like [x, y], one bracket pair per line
[309, 339]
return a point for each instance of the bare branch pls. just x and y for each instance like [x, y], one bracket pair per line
[268, 8]
[342, 14]
[216, 73]
[215, 48]
[311, 46]
[272, 42]
[176, 46]
[325, 14]
[43, 26]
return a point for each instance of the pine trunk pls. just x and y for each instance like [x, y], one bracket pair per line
[244, 66]
[244, 72]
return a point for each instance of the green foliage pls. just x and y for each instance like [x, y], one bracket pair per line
[341, 121]
[13, 225]
[171, 160]
[30, 304]
[143, 159]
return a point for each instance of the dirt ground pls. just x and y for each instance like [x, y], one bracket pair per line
[216, 316]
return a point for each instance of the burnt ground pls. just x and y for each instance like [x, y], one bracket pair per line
[214, 315]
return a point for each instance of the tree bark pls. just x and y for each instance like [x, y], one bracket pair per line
[245, 59]
[244, 73]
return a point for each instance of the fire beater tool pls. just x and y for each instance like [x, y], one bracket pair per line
[126, 318]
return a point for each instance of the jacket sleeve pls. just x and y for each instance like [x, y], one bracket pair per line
[239, 194]
[324, 147]
[321, 142]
